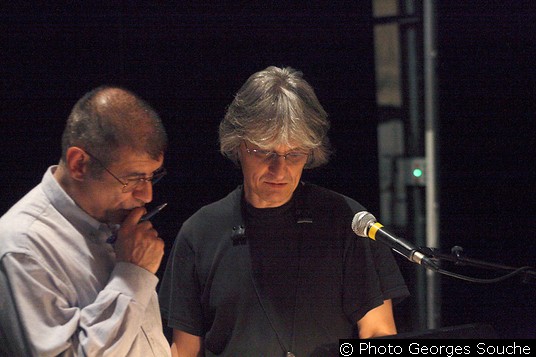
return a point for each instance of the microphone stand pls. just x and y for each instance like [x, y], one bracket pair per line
[457, 257]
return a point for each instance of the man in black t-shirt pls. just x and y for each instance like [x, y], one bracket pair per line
[274, 268]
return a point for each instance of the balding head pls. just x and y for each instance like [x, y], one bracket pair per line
[109, 118]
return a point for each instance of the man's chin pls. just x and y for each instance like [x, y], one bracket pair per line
[118, 217]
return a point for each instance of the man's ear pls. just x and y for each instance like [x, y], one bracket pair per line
[77, 161]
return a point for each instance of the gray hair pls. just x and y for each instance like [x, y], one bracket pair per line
[109, 118]
[276, 106]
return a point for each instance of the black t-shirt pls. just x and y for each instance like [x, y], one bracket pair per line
[295, 279]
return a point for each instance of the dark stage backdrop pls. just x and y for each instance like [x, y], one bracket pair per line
[188, 60]
[487, 142]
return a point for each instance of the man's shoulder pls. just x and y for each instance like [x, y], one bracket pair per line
[225, 208]
[327, 199]
[210, 223]
[17, 224]
[223, 205]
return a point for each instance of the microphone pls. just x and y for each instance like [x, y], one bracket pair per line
[365, 225]
[239, 235]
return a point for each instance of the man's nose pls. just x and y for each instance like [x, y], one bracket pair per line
[144, 192]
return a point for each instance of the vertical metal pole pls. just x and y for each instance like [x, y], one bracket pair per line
[415, 148]
[431, 155]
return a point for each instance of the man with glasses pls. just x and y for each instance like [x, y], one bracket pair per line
[274, 268]
[67, 288]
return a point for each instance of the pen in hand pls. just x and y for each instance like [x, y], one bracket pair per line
[145, 217]
[150, 215]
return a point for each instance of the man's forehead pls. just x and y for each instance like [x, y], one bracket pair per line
[278, 146]
[130, 158]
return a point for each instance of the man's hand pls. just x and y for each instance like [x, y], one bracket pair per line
[138, 242]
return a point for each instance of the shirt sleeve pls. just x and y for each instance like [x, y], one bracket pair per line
[371, 276]
[55, 325]
[391, 279]
[180, 292]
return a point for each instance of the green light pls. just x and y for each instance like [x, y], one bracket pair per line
[417, 172]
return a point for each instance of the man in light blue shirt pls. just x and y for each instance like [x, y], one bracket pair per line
[65, 289]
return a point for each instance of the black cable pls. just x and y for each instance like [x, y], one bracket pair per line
[456, 257]
[485, 281]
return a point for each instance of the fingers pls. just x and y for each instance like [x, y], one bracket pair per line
[134, 216]
[138, 243]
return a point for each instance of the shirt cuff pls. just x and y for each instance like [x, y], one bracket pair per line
[133, 281]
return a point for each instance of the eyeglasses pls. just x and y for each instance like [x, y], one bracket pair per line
[291, 157]
[130, 184]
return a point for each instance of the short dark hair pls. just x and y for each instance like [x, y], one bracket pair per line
[108, 118]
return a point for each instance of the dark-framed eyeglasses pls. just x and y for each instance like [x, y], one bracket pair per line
[131, 184]
[294, 157]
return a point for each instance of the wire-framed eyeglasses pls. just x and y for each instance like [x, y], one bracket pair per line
[131, 184]
[292, 157]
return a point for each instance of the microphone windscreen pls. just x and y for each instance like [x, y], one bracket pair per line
[362, 222]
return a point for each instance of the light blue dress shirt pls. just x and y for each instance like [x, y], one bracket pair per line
[71, 296]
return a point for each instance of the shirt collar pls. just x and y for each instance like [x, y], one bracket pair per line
[88, 226]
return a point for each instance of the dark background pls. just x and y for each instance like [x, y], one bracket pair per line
[188, 60]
